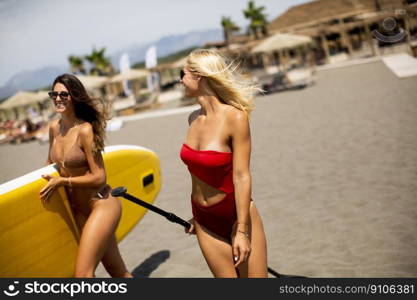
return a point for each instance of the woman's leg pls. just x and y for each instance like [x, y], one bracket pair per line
[256, 266]
[113, 262]
[96, 235]
[217, 251]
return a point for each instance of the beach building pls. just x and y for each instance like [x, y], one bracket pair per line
[329, 31]
[342, 29]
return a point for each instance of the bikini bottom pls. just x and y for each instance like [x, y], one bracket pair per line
[100, 193]
[219, 217]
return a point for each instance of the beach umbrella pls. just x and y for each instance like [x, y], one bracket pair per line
[93, 82]
[282, 41]
[23, 98]
[130, 75]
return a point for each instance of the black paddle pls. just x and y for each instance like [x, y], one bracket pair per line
[122, 192]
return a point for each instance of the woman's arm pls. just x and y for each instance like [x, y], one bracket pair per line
[242, 182]
[51, 140]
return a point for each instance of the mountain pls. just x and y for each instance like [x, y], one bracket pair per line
[31, 80]
[168, 45]
[39, 78]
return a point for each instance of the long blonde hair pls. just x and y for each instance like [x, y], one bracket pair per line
[223, 78]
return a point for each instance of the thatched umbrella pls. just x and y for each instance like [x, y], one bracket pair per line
[22, 99]
[282, 41]
[115, 85]
[131, 74]
[93, 82]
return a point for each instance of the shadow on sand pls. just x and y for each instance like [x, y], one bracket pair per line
[151, 264]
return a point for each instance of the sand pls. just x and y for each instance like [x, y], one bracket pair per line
[334, 171]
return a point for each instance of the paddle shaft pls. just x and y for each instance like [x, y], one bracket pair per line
[121, 192]
[170, 216]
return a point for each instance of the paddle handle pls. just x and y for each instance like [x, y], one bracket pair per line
[175, 219]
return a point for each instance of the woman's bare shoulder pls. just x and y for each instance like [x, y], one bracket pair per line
[86, 129]
[54, 125]
[236, 116]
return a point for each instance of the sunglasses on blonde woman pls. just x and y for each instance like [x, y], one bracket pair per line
[63, 95]
[182, 74]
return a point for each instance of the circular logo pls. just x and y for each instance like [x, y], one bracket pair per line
[389, 24]
[11, 291]
[389, 31]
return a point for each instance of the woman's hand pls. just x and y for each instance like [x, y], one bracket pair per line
[53, 183]
[241, 247]
[192, 228]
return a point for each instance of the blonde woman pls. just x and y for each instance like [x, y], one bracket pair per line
[217, 153]
[76, 141]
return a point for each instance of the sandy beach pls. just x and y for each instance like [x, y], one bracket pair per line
[334, 171]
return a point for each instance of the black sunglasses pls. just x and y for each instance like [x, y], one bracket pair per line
[63, 95]
[182, 74]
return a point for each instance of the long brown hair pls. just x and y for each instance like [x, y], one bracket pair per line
[92, 110]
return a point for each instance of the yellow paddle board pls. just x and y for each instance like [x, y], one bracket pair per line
[41, 240]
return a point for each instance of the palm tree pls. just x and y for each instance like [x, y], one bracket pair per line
[77, 64]
[377, 5]
[101, 64]
[228, 28]
[257, 18]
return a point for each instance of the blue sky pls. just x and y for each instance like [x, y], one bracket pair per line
[38, 33]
